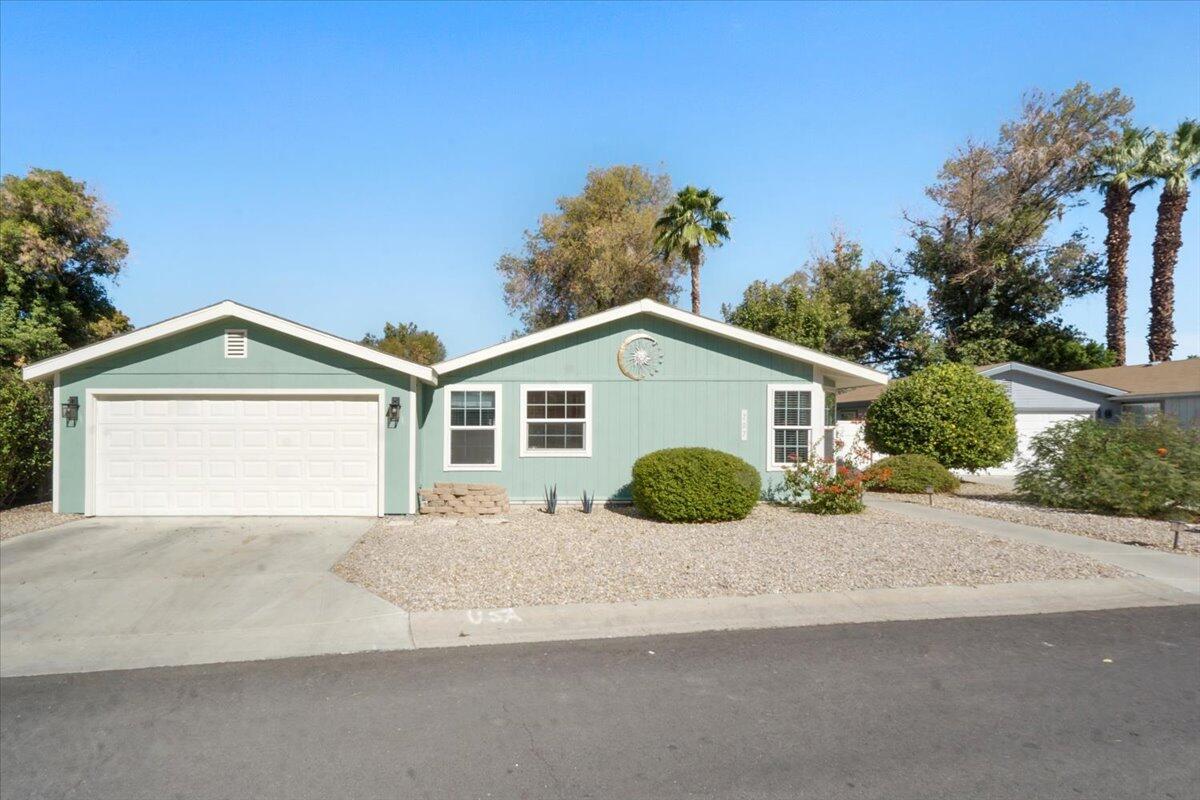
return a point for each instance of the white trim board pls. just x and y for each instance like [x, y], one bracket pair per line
[223, 310]
[414, 387]
[93, 395]
[847, 373]
[57, 447]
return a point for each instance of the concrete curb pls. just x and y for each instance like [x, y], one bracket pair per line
[656, 617]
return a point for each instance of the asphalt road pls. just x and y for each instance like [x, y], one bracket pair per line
[1020, 707]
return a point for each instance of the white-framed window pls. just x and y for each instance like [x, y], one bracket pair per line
[472, 427]
[556, 420]
[789, 424]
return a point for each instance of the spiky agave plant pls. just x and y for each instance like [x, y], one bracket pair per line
[551, 493]
[587, 501]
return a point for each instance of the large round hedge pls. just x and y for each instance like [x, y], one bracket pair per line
[694, 484]
[910, 473]
[948, 412]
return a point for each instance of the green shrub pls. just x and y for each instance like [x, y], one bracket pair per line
[948, 412]
[910, 474]
[26, 436]
[1143, 469]
[694, 484]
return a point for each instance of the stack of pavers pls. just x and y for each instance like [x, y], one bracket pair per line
[464, 500]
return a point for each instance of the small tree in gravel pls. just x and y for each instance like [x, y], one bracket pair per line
[948, 412]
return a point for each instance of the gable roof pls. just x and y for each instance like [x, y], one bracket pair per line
[224, 309]
[1066, 378]
[856, 374]
[868, 394]
[1149, 380]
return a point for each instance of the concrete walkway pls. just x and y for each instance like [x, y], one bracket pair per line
[115, 593]
[1176, 570]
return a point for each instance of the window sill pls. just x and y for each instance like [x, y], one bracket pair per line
[470, 467]
[556, 454]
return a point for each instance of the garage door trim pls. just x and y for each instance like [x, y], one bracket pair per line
[94, 395]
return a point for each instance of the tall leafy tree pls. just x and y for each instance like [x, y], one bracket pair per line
[1120, 174]
[597, 251]
[58, 259]
[1175, 160]
[694, 220]
[997, 275]
[836, 304]
[405, 340]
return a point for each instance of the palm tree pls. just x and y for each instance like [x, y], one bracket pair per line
[1120, 174]
[1175, 160]
[691, 222]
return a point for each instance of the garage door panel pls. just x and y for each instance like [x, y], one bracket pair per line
[1030, 424]
[237, 456]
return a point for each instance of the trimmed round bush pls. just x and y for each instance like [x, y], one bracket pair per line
[910, 474]
[694, 484]
[948, 412]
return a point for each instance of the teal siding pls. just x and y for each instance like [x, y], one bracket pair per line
[696, 398]
[194, 359]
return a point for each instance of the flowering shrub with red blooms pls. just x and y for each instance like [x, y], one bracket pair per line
[820, 486]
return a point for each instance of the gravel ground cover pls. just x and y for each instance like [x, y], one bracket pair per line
[33, 517]
[987, 501]
[530, 558]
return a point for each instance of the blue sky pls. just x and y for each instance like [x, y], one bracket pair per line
[343, 165]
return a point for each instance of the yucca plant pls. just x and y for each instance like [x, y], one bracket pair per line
[551, 493]
[587, 501]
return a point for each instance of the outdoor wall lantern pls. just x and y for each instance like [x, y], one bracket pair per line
[393, 412]
[70, 409]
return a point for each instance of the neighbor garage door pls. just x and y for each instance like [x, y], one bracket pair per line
[1029, 425]
[236, 455]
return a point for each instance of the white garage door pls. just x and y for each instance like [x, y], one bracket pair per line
[236, 455]
[1030, 425]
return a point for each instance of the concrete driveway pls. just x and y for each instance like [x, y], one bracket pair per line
[121, 593]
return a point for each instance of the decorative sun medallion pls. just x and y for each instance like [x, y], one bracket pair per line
[639, 356]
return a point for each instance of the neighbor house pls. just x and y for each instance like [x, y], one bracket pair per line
[230, 410]
[1043, 398]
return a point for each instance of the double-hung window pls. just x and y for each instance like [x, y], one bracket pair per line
[556, 420]
[789, 412]
[472, 427]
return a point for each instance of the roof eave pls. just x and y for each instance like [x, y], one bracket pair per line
[48, 367]
[858, 374]
[1028, 369]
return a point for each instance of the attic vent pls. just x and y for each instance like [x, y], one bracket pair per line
[235, 344]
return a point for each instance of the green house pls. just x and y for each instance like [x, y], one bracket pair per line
[229, 410]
